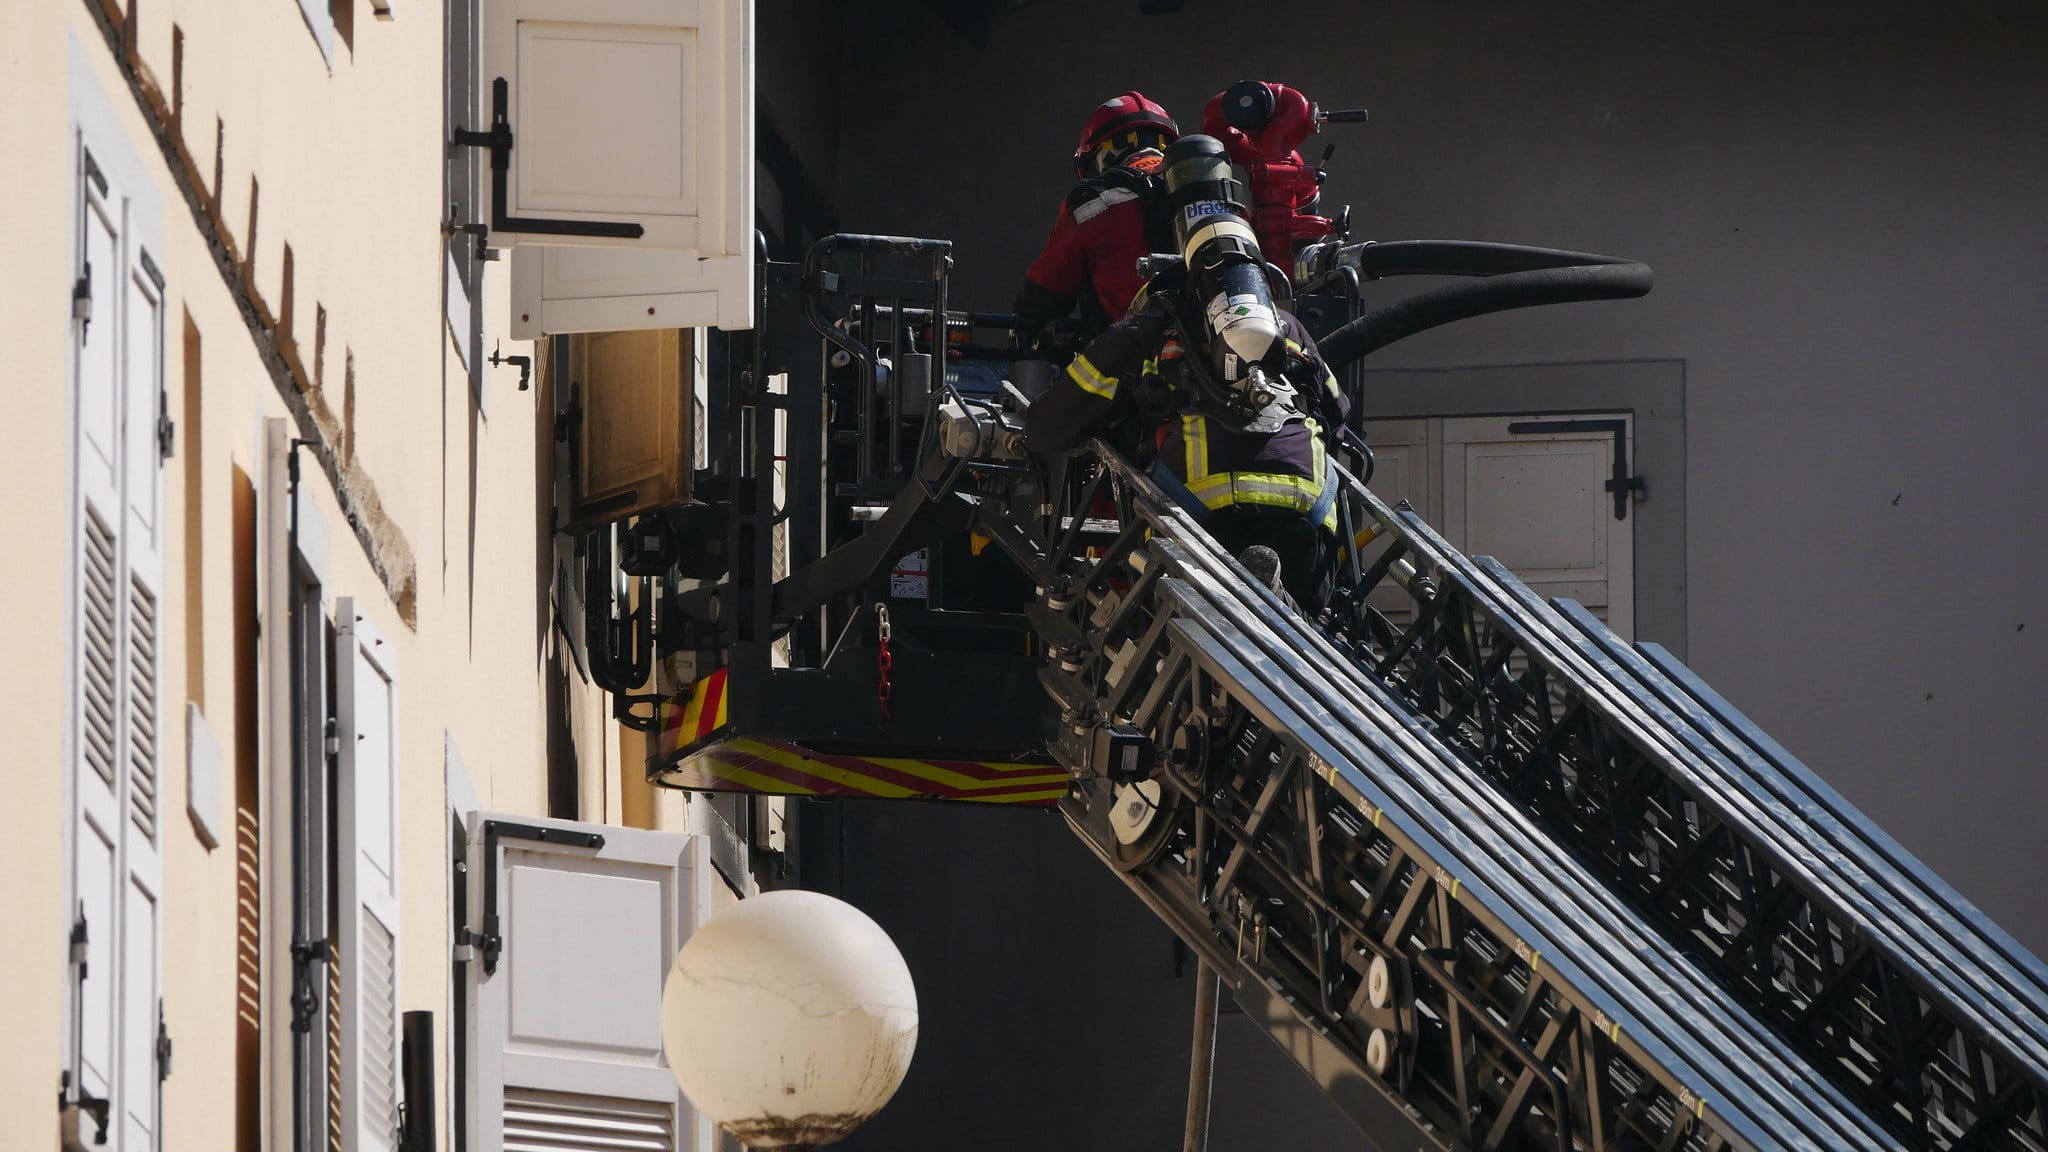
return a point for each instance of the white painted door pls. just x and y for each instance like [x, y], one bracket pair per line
[1531, 497]
[567, 1014]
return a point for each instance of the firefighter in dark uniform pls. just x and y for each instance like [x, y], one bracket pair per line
[1113, 217]
[1223, 391]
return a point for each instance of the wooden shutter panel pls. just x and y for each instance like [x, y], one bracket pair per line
[366, 729]
[632, 126]
[98, 771]
[142, 384]
[568, 1025]
[558, 290]
[633, 442]
[117, 862]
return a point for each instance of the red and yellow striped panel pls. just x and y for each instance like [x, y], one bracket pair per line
[696, 749]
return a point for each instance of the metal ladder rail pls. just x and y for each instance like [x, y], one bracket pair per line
[1240, 927]
[1925, 968]
[2006, 1109]
[1446, 774]
[1900, 953]
[1625, 935]
[1372, 700]
[1947, 914]
[1824, 797]
[2025, 1037]
[1819, 1089]
[1743, 1072]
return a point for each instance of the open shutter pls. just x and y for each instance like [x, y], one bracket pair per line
[576, 933]
[117, 865]
[366, 730]
[142, 680]
[559, 290]
[630, 127]
[99, 767]
[633, 445]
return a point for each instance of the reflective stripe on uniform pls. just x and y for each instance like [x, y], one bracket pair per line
[1090, 378]
[1105, 200]
[1271, 489]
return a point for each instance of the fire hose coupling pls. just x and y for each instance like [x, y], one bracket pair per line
[975, 432]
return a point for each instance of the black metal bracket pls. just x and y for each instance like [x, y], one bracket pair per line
[523, 363]
[1621, 484]
[490, 941]
[499, 140]
[305, 1001]
[163, 1045]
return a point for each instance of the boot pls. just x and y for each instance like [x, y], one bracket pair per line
[1264, 565]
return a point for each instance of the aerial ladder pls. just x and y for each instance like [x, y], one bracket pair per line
[1495, 878]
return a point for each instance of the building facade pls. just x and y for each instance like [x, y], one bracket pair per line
[290, 657]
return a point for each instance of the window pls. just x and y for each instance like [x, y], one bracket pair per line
[114, 1064]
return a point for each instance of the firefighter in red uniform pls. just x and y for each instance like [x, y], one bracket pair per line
[1109, 220]
[1223, 390]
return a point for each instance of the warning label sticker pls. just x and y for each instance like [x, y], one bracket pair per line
[911, 578]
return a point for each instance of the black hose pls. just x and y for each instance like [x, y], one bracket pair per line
[1554, 285]
[1467, 258]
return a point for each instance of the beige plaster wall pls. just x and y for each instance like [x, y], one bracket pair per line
[434, 527]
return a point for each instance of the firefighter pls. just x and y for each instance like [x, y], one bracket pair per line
[1218, 388]
[1110, 219]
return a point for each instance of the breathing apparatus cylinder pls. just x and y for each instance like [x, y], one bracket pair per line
[1220, 252]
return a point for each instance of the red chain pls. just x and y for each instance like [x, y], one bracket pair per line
[883, 662]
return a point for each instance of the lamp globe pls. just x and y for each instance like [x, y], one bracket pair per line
[789, 1019]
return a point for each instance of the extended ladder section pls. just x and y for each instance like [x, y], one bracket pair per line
[1497, 880]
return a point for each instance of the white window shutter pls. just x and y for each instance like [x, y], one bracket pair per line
[366, 730]
[99, 767]
[117, 865]
[558, 290]
[142, 681]
[632, 127]
[567, 1007]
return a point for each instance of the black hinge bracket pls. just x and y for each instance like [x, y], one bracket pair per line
[305, 1000]
[71, 1090]
[490, 942]
[163, 1045]
[166, 428]
[499, 140]
[1622, 485]
[81, 300]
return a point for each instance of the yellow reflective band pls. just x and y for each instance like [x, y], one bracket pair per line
[1090, 378]
[1224, 489]
[1194, 438]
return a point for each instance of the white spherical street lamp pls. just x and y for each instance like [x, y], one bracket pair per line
[789, 1019]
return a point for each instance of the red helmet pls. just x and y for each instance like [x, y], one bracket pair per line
[1118, 127]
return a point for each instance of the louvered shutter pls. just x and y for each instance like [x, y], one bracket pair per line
[117, 856]
[568, 1026]
[632, 127]
[366, 730]
[142, 316]
[99, 761]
